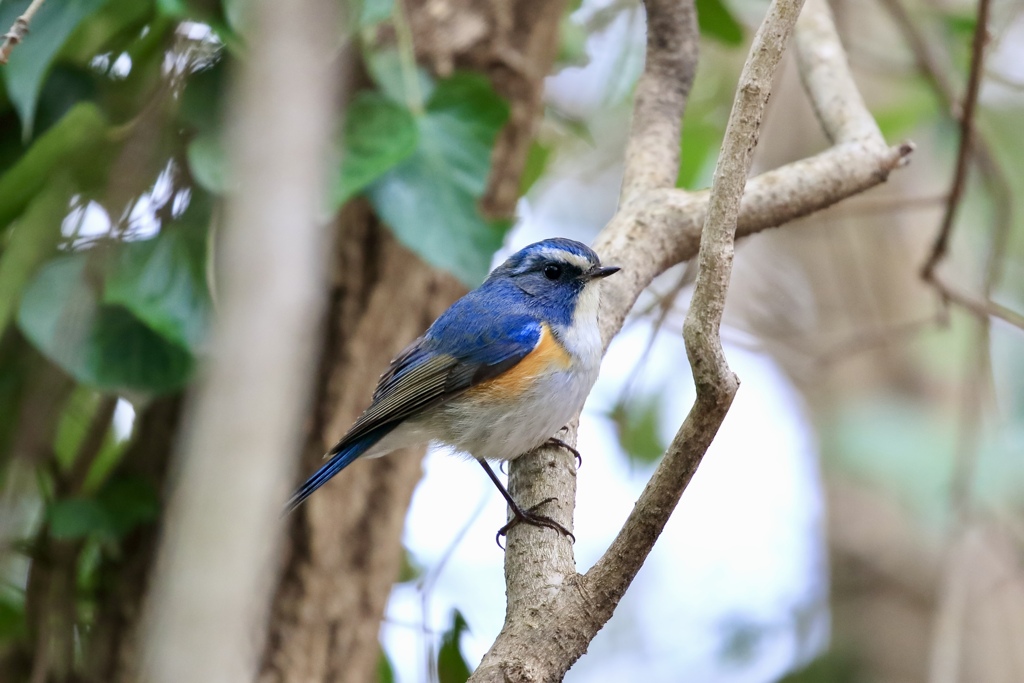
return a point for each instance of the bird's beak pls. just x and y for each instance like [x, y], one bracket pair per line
[598, 272]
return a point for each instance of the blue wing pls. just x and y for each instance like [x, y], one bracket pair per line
[467, 345]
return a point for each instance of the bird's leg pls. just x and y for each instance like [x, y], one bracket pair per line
[558, 443]
[528, 516]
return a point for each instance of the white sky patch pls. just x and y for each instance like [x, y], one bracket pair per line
[124, 419]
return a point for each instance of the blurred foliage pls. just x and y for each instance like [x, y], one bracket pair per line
[429, 195]
[829, 668]
[716, 21]
[451, 664]
[638, 425]
[112, 175]
[385, 672]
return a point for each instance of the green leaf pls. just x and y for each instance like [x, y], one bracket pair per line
[202, 102]
[385, 67]
[411, 570]
[71, 138]
[29, 62]
[372, 12]
[100, 345]
[12, 620]
[913, 107]
[451, 665]
[572, 44]
[379, 134]
[208, 164]
[77, 518]
[700, 143]
[385, 672]
[33, 239]
[536, 162]
[637, 423]
[162, 282]
[716, 21]
[235, 13]
[129, 502]
[113, 28]
[430, 199]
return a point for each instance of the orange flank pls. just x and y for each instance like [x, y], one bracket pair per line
[548, 356]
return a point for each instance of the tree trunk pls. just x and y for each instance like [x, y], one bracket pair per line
[345, 541]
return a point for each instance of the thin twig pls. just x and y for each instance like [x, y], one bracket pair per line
[895, 204]
[18, 31]
[982, 308]
[967, 113]
[862, 342]
[90, 446]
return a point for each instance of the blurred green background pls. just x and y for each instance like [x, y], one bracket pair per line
[112, 180]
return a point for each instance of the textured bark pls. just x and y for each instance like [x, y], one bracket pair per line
[345, 543]
[345, 550]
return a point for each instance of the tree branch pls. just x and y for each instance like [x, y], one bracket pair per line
[652, 152]
[826, 77]
[18, 30]
[553, 612]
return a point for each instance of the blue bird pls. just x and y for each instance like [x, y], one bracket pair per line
[497, 375]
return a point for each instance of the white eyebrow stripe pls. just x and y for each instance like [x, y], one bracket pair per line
[580, 262]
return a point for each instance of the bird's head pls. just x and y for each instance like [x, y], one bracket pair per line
[558, 276]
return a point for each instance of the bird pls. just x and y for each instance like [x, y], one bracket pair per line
[496, 376]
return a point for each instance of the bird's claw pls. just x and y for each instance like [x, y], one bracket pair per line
[528, 516]
[558, 443]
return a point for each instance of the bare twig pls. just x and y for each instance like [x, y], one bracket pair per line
[982, 308]
[894, 204]
[866, 341]
[19, 30]
[967, 110]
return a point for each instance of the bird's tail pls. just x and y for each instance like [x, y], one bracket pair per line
[340, 459]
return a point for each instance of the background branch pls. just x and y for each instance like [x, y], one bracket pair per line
[19, 30]
[966, 116]
[212, 580]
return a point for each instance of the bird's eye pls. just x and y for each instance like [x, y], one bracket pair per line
[552, 271]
